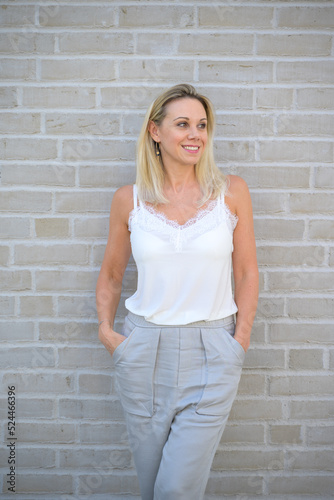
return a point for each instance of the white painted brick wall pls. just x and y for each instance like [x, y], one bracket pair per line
[76, 78]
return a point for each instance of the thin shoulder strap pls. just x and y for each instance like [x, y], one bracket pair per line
[135, 197]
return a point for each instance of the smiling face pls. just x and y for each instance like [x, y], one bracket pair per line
[182, 134]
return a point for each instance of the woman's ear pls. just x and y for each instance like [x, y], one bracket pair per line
[154, 131]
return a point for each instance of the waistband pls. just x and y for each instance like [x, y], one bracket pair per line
[141, 321]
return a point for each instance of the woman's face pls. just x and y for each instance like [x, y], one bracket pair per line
[182, 135]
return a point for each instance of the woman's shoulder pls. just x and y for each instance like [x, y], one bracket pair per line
[122, 201]
[237, 192]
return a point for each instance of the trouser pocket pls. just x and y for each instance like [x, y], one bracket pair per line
[224, 360]
[135, 360]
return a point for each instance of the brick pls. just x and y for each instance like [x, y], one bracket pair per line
[19, 123]
[98, 460]
[94, 384]
[82, 357]
[91, 227]
[311, 307]
[82, 123]
[18, 69]
[45, 433]
[155, 44]
[236, 71]
[132, 124]
[331, 360]
[296, 151]
[312, 460]
[301, 385]
[320, 435]
[27, 43]
[84, 202]
[244, 125]
[81, 16]
[274, 255]
[77, 306]
[38, 175]
[216, 44]
[52, 227]
[248, 460]
[15, 281]
[35, 408]
[305, 17]
[247, 409]
[321, 229]
[305, 71]
[264, 358]
[36, 306]
[7, 307]
[305, 485]
[275, 177]
[243, 433]
[305, 125]
[268, 203]
[58, 97]
[226, 98]
[27, 357]
[306, 359]
[287, 434]
[73, 331]
[305, 333]
[77, 70]
[41, 383]
[331, 257]
[311, 203]
[299, 281]
[85, 409]
[235, 17]
[318, 409]
[156, 16]
[234, 150]
[315, 98]
[8, 98]
[237, 485]
[324, 177]
[36, 458]
[106, 176]
[274, 98]
[17, 15]
[13, 331]
[108, 484]
[48, 254]
[69, 281]
[100, 43]
[4, 255]
[157, 70]
[32, 149]
[278, 229]
[98, 254]
[14, 227]
[92, 433]
[25, 201]
[270, 307]
[294, 45]
[134, 97]
[44, 483]
[98, 149]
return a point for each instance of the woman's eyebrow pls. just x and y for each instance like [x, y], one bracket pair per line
[186, 118]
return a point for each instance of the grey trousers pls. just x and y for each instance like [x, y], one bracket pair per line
[176, 385]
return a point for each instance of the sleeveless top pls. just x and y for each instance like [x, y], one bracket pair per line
[184, 271]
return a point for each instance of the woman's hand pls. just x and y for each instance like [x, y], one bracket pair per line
[109, 338]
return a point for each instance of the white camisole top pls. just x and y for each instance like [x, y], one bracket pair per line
[184, 271]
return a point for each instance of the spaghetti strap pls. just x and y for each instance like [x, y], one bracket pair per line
[135, 202]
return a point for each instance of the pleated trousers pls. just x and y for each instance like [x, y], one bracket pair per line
[176, 385]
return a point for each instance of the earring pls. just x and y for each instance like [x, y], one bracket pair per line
[157, 150]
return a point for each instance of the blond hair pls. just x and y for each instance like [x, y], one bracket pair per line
[150, 171]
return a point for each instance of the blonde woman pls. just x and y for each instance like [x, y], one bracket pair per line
[179, 357]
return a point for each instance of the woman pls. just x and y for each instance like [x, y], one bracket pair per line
[179, 358]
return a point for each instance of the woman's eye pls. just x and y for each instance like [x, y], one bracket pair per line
[202, 125]
[182, 124]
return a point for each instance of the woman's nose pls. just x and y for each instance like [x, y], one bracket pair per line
[193, 133]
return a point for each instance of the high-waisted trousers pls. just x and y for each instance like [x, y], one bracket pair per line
[176, 385]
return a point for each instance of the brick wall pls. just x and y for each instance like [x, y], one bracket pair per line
[76, 78]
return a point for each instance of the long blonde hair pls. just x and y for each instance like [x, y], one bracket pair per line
[150, 170]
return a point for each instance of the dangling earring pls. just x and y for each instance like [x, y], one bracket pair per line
[157, 150]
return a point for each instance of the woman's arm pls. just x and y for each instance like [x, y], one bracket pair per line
[116, 257]
[245, 270]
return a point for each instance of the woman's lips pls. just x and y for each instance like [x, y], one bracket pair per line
[191, 149]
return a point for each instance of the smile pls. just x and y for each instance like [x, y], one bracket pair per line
[191, 148]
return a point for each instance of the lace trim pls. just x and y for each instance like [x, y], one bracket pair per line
[150, 219]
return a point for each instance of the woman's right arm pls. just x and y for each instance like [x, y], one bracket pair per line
[116, 257]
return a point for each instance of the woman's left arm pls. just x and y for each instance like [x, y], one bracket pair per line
[245, 270]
